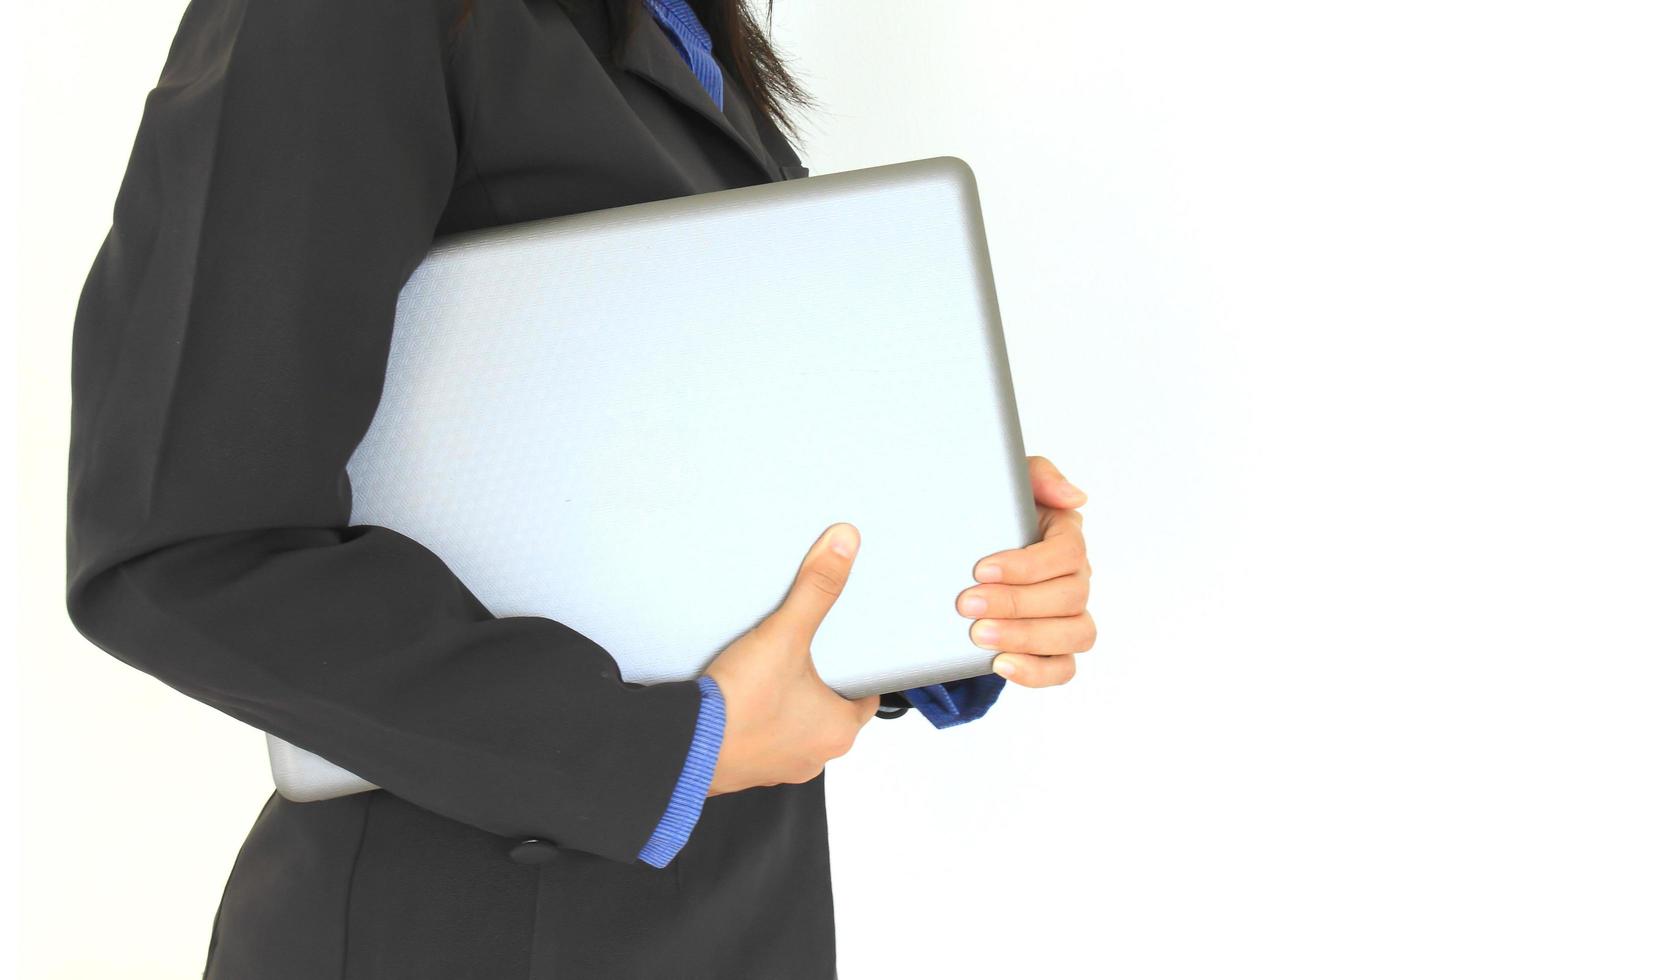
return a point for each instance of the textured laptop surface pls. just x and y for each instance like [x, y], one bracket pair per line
[636, 421]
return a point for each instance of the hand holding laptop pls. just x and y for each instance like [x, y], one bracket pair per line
[783, 723]
[1033, 602]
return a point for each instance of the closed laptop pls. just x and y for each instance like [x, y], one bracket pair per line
[636, 421]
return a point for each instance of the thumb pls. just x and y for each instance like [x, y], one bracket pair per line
[818, 583]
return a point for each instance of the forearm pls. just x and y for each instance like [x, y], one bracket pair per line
[228, 355]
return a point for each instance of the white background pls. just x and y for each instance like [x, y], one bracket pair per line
[1343, 313]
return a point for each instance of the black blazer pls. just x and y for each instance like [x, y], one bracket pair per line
[292, 166]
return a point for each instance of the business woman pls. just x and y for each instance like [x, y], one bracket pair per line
[540, 817]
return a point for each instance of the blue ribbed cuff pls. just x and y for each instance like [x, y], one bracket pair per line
[957, 702]
[686, 803]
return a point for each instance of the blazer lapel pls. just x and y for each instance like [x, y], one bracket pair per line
[648, 53]
[757, 130]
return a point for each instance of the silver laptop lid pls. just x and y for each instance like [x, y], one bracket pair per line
[636, 421]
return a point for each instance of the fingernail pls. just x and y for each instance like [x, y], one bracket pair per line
[988, 573]
[1073, 491]
[1003, 666]
[974, 605]
[984, 634]
[843, 542]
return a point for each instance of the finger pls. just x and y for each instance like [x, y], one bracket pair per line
[1052, 489]
[1067, 595]
[1044, 637]
[1052, 521]
[1061, 552]
[818, 583]
[1030, 671]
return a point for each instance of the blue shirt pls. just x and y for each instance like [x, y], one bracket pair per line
[944, 705]
[685, 805]
[693, 42]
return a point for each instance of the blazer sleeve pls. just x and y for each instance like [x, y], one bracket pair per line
[229, 350]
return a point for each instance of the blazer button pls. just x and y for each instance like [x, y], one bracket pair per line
[533, 851]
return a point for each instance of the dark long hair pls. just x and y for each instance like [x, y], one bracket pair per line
[741, 42]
